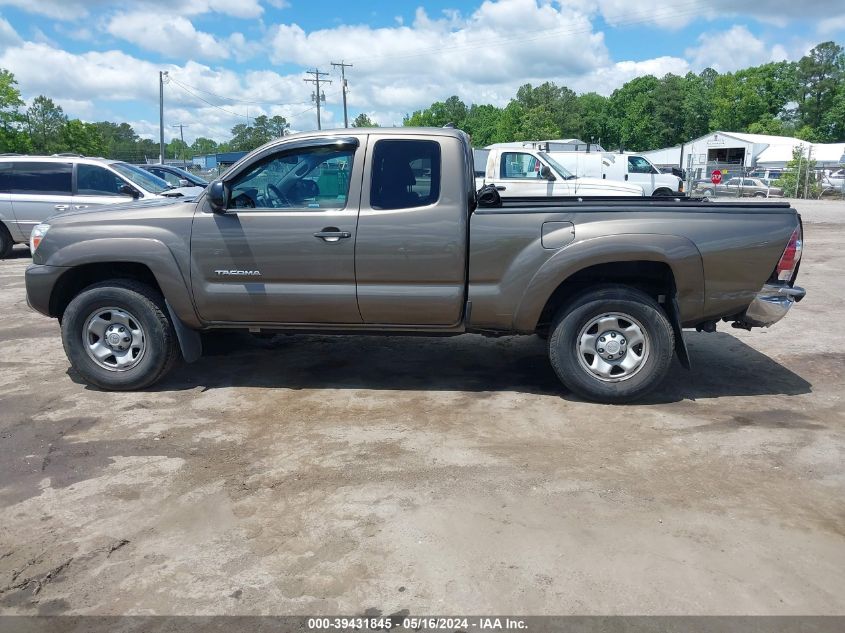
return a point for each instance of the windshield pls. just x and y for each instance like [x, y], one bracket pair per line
[560, 169]
[192, 178]
[144, 179]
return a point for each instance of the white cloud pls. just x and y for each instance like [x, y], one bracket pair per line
[8, 35]
[606, 79]
[174, 37]
[730, 50]
[158, 10]
[680, 13]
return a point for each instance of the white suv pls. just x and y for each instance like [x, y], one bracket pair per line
[33, 188]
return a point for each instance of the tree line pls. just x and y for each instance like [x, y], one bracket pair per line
[804, 99]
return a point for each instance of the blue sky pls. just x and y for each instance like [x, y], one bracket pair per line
[230, 60]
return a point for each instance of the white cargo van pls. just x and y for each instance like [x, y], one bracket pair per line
[631, 168]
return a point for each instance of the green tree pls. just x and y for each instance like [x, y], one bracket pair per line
[799, 178]
[482, 124]
[82, 138]
[12, 138]
[362, 120]
[202, 145]
[594, 117]
[453, 110]
[45, 121]
[819, 74]
[633, 107]
[178, 149]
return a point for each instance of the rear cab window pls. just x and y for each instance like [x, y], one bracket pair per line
[406, 174]
[48, 179]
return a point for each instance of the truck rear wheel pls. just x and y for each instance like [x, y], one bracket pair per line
[118, 335]
[612, 345]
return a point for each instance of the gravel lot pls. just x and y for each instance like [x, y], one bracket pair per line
[318, 474]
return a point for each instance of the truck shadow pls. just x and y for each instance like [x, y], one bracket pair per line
[722, 366]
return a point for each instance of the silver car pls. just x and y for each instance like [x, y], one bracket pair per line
[33, 188]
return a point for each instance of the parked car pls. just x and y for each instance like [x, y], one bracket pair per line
[738, 188]
[631, 168]
[176, 176]
[516, 172]
[389, 237]
[33, 188]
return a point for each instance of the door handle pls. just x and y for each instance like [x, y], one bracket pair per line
[61, 207]
[332, 234]
[500, 188]
[80, 206]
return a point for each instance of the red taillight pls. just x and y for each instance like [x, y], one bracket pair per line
[785, 270]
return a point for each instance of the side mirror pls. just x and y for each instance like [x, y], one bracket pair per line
[184, 183]
[546, 172]
[217, 196]
[129, 190]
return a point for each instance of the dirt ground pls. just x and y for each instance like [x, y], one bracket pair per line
[317, 474]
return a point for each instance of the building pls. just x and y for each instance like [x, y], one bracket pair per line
[551, 145]
[740, 153]
[221, 159]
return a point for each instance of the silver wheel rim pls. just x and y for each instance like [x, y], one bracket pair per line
[114, 339]
[613, 347]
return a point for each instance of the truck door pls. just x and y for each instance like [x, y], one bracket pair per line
[410, 254]
[641, 172]
[284, 251]
[519, 176]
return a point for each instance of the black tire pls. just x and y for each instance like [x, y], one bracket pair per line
[759, 194]
[645, 315]
[708, 192]
[662, 193]
[146, 306]
[6, 242]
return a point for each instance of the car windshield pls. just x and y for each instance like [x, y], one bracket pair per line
[192, 178]
[142, 178]
[560, 169]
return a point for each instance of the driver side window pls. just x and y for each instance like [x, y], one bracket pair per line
[307, 178]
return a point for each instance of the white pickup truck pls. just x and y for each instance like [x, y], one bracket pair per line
[529, 173]
[631, 168]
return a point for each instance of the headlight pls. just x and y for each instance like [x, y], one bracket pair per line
[36, 236]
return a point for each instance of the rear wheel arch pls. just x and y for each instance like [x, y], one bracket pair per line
[652, 277]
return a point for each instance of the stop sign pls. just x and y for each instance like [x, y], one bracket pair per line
[716, 177]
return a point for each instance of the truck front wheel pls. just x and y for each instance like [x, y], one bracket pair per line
[118, 336]
[612, 345]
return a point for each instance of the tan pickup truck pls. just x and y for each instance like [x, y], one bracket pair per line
[382, 230]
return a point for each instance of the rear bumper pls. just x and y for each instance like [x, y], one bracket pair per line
[40, 281]
[771, 304]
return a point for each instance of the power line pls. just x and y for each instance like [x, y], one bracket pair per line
[237, 100]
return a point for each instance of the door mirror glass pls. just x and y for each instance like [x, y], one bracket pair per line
[546, 172]
[217, 196]
[129, 190]
[184, 183]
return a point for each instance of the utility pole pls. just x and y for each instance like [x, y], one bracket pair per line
[343, 67]
[182, 136]
[319, 95]
[161, 76]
